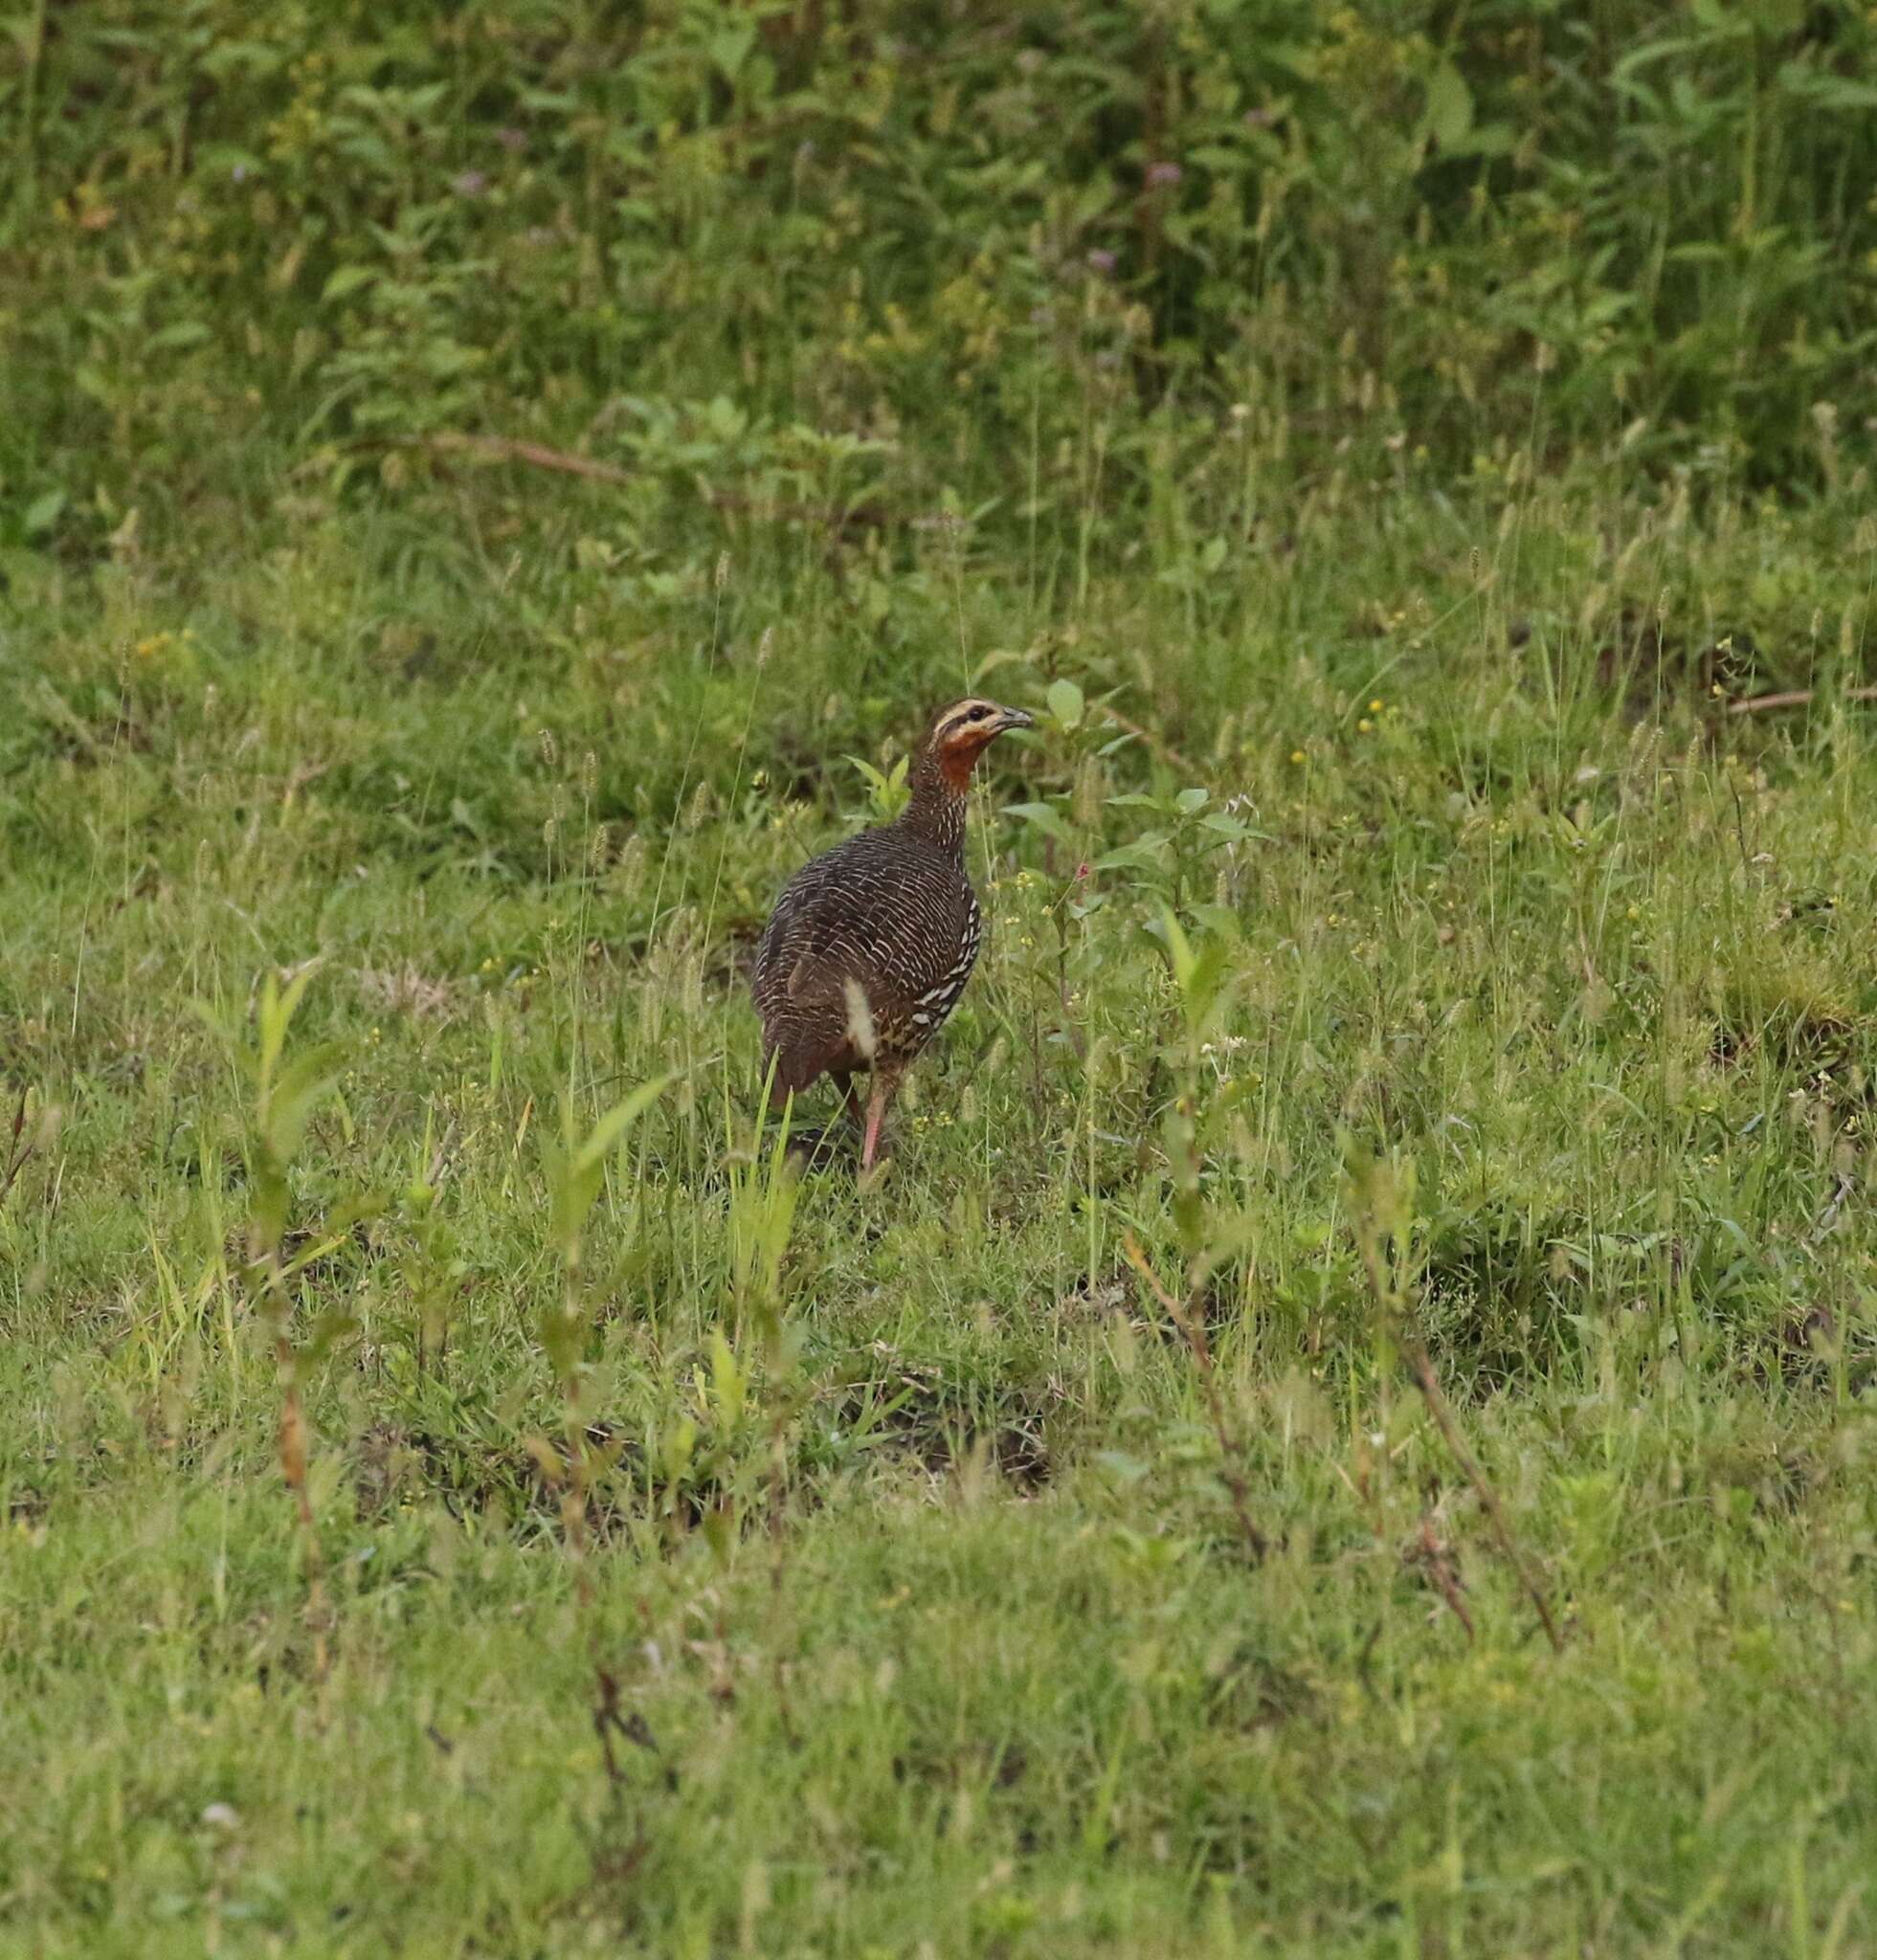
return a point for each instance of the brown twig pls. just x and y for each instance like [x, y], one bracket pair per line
[508, 449]
[609, 1722]
[18, 1154]
[1364, 1663]
[291, 1441]
[1420, 1365]
[1230, 1451]
[778, 1524]
[1443, 1576]
[1792, 698]
[1161, 748]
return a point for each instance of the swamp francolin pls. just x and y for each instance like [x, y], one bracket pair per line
[870, 945]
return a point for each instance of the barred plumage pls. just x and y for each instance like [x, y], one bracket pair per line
[871, 944]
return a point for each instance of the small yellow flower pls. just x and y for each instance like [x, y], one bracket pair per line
[1375, 705]
[1297, 755]
[1365, 726]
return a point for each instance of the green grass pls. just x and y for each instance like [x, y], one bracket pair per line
[901, 1528]
[1344, 1426]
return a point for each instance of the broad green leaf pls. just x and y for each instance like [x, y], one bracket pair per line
[1128, 858]
[728, 1382]
[615, 1123]
[1179, 948]
[1449, 114]
[42, 513]
[348, 278]
[275, 1014]
[1046, 817]
[292, 1099]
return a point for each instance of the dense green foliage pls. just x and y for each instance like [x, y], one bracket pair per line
[728, 244]
[485, 491]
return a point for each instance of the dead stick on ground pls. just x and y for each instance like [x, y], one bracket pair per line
[1231, 1457]
[508, 449]
[1420, 1365]
[1792, 698]
[20, 1153]
[1441, 1575]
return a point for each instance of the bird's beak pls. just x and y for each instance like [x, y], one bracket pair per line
[1014, 718]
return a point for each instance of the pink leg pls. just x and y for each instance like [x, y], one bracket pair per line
[876, 1110]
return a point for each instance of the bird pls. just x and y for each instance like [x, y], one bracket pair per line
[870, 944]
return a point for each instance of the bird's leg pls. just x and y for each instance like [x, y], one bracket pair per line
[876, 1101]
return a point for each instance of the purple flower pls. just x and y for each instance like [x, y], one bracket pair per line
[239, 173]
[469, 183]
[1259, 118]
[512, 139]
[1101, 260]
[1158, 174]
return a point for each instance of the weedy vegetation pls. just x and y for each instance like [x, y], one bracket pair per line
[1346, 1425]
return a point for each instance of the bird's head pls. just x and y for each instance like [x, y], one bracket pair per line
[962, 732]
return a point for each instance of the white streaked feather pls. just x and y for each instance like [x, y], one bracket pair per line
[860, 1019]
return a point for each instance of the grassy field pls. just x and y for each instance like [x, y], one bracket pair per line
[902, 1533]
[1344, 1425]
